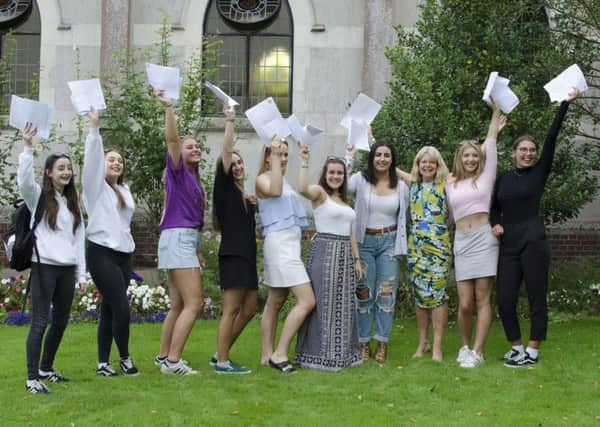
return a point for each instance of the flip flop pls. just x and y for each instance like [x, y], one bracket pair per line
[285, 366]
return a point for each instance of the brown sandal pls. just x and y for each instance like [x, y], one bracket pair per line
[365, 351]
[381, 353]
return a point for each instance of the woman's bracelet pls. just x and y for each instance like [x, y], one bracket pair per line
[304, 166]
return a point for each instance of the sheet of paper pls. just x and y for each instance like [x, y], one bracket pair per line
[497, 88]
[296, 128]
[559, 87]
[278, 127]
[165, 78]
[311, 133]
[261, 115]
[227, 100]
[363, 109]
[86, 93]
[358, 135]
[24, 110]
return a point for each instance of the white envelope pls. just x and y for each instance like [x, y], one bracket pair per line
[86, 93]
[358, 135]
[278, 127]
[363, 109]
[559, 87]
[24, 110]
[303, 134]
[227, 100]
[497, 88]
[261, 115]
[165, 78]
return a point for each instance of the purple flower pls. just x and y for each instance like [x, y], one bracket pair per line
[18, 318]
[136, 277]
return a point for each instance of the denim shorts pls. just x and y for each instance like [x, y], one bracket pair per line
[177, 248]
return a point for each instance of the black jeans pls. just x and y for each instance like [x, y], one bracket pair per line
[524, 255]
[49, 284]
[111, 271]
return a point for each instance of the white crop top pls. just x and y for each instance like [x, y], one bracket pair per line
[333, 218]
[383, 210]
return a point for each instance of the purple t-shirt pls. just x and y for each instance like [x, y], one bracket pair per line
[184, 205]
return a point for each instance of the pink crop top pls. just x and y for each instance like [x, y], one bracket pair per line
[463, 198]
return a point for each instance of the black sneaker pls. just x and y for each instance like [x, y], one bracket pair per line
[36, 387]
[128, 368]
[106, 370]
[53, 376]
[524, 360]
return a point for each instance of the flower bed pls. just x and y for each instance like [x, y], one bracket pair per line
[148, 302]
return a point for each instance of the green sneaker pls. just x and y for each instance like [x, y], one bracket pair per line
[231, 368]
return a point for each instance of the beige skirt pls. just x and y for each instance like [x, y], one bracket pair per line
[475, 254]
[283, 263]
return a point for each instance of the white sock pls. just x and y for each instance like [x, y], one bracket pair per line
[223, 364]
[533, 352]
[519, 348]
[31, 382]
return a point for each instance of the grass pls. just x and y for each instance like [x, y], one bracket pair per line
[562, 390]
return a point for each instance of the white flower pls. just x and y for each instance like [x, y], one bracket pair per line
[6, 300]
[93, 306]
[5, 281]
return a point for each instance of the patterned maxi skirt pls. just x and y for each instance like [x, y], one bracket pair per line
[328, 338]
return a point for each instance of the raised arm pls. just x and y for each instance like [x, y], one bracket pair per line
[94, 169]
[227, 151]
[404, 176]
[547, 156]
[314, 193]
[171, 136]
[271, 185]
[497, 123]
[28, 187]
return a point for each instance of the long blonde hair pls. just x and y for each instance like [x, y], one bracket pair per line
[264, 166]
[458, 170]
[442, 169]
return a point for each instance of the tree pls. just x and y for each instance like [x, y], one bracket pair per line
[440, 70]
[134, 122]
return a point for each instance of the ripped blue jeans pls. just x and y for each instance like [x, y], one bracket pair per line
[376, 291]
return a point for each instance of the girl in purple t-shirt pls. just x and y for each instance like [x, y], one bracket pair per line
[178, 246]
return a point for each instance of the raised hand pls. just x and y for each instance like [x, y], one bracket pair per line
[159, 94]
[94, 117]
[350, 151]
[304, 153]
[573, 94]
[502, 122]
[229, 112]
[29, 131]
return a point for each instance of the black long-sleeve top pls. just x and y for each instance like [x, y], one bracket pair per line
[518, 192]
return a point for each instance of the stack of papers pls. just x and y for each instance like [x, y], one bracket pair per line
[559, 87]
[267, 121]
[497, 88]
[86, 94]
[24, 110]
[227, 100]
[303, 134]
[165, 78]
[357, 120]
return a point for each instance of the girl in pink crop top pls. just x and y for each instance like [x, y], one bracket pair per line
[469, 191]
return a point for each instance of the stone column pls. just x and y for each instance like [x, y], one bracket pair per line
[378, 34]
[115, 31]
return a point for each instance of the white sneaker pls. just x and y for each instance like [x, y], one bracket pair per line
[179, 368]
[463, 354]
[36, 387]
[473, 360]
[513, 354]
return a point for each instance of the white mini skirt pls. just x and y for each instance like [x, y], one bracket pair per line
[475, 254]
[283, 263]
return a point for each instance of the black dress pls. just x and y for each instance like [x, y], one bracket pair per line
[237, 253]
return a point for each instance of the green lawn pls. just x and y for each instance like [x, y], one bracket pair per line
[562, 390]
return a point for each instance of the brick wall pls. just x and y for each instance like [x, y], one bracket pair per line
[564, 243]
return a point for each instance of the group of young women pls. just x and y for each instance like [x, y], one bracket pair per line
[351, 277]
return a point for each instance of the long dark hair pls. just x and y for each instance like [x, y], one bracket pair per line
[369, 173]
[221, 170]
[120, 179]
[343, 190]
[70, 192]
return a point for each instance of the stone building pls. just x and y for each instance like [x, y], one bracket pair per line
[312, 56]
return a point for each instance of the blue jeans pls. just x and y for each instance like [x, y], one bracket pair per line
[381, 281]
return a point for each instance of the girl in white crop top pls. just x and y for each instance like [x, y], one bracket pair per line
[333, 261]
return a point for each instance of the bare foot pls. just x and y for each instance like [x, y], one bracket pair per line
[437, 356]
[264, 359]
[422, 349]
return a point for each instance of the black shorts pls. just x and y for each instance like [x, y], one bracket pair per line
[237, 272]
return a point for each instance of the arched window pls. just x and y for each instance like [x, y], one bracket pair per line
[20, 45]
[256, 55]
